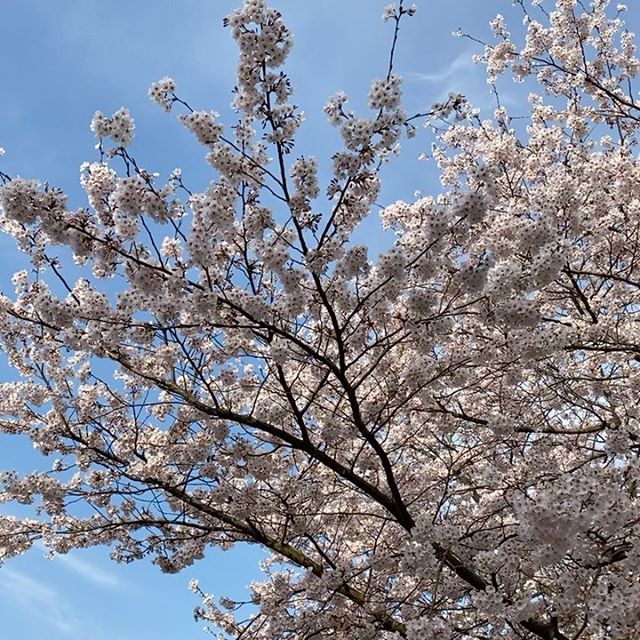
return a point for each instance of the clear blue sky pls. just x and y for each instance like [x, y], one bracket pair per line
[64, 59]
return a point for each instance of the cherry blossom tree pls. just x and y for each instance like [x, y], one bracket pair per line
[440, 441]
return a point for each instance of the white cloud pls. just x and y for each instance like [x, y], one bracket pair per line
[462, 65]
[90, 571]
[39, 600]
[463, 75]
[50, 606]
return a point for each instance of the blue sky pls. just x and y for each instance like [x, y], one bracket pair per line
[62, 61]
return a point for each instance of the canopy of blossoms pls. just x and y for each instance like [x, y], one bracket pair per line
[440, 441]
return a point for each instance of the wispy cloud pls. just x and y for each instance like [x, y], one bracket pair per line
[463, 75]
[90, 571]
[51, 606]
[461, 65]
[39, 600]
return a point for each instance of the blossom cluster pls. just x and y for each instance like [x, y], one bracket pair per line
[119, 126]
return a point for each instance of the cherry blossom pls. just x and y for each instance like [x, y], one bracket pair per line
[437, 441]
